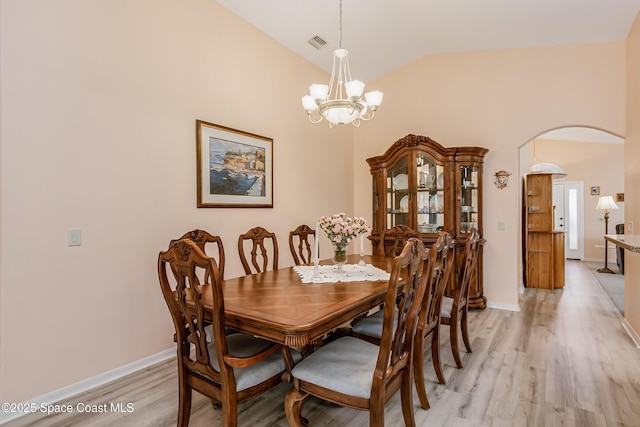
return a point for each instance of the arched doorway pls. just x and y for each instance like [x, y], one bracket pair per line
[592, 158]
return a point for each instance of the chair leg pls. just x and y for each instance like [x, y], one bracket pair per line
[465, 331]
[184, 406]
[435, 355]
[229, 411]
[453, 335]
[418, 369]
[406, 397]
[293, 402]
[376, 415]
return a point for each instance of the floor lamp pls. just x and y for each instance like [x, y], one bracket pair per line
[606, 204]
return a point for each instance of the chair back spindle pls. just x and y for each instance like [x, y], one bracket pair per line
[258, 238]
[300, 245]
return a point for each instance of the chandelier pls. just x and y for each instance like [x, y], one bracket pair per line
[341, 101]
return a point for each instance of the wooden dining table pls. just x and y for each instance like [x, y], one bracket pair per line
[277, 306]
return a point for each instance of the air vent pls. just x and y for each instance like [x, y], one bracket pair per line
[317, 42]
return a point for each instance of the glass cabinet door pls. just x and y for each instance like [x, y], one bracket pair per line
[430, 195]
[468, 182]
[398, 194]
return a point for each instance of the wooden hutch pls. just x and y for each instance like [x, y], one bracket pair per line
[421, 184]
[544, 246]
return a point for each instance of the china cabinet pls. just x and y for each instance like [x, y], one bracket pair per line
[544, 245]
[430, 188]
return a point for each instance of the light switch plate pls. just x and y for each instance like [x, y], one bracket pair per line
[74, 237]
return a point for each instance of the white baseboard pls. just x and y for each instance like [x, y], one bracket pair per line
[632, 333]
[89, 383]
[500, 306]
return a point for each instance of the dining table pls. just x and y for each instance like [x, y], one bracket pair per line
[276, 305]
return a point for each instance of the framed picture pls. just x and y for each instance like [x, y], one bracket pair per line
[595, 191]
[619, 197]
[234, 168]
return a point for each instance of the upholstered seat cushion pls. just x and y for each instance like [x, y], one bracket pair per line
[447, 307]
[371, 326]
[345, 365]
[243, 345]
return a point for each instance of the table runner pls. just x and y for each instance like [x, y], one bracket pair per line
[349, 273]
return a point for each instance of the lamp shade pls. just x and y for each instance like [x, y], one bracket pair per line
[354, 88]
[606, 203]
[318, 91]
[551, 168]
[374, 98]
[309, 103]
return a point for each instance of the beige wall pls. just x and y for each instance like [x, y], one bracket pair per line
[98, 105]
[499, 100]
[595, 164]
[632, 176]
[99, 101]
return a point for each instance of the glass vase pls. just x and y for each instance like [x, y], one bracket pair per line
[339, 255]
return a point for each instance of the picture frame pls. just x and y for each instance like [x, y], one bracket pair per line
[619, 197]
[234, 168]
[595, 191]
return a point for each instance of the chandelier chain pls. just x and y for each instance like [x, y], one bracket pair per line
[340, 45]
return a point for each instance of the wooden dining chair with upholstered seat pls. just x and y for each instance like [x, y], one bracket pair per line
[358, 374]
[229, 369]
[203, 239]
[393, 239]
[441, 259]
[300, 245]
[454, 310]
[262, 241]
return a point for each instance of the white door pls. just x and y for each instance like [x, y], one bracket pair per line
[568, 200]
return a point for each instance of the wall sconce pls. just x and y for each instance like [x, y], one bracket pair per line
[502, 179]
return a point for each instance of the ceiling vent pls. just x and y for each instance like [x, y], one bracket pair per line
[317, 42]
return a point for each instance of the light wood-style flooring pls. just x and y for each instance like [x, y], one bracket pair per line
[563, 360]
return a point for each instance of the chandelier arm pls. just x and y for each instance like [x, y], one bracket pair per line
[315, 120]
[368, 115]
[332, 80]
[341, 75]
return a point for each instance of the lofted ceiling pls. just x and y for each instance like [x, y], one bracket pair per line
[383, 35]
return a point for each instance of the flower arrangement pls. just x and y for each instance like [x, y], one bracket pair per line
[341, 229]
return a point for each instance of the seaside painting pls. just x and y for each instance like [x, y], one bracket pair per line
[234, 168]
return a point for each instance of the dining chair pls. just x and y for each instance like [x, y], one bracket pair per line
[202, 239]
[436, 273]
[454, 310]
[300, 245]
[442, 258]
[232, 368]
[259, 238]
[392, 240]
[358, 374]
